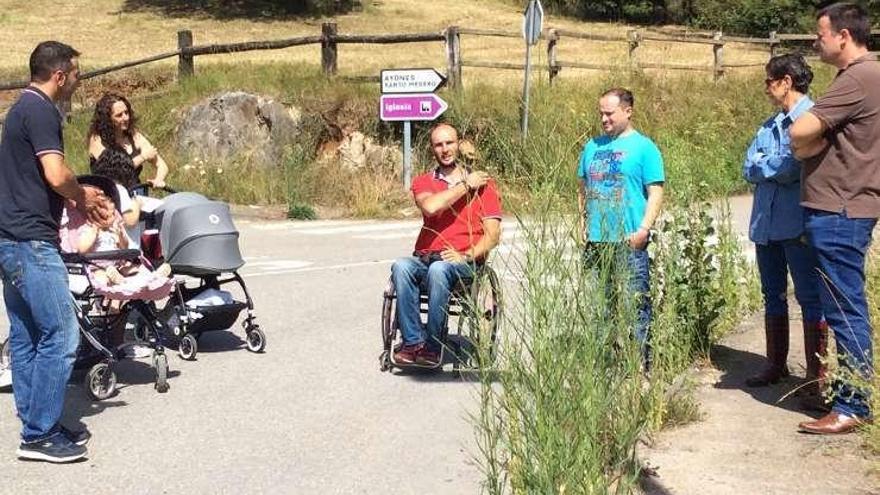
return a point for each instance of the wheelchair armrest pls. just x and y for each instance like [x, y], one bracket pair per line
[121, 254]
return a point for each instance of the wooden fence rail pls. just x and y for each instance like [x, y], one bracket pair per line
[330, 39]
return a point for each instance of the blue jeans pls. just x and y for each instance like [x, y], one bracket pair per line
[614, 260]
[43, 334]
[412, 275]
[840, 244]
[776, 260]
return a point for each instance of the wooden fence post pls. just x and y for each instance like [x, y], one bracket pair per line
[633, 37]
[774, 44]
[185, 61]
[718, 50]
[453, 58]
[328, 48]
[552, 39]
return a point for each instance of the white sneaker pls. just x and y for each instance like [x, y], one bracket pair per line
[5, 377]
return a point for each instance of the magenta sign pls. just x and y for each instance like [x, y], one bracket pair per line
[425, 106]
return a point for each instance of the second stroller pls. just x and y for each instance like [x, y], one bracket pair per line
[198, 239]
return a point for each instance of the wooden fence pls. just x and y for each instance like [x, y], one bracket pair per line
[330, 39]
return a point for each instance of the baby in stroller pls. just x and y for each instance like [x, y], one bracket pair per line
[85, 237]
[92, 254]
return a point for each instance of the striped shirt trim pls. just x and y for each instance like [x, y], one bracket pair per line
[40, 95]
[50, 152]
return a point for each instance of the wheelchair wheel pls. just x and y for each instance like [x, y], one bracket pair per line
[385, 361]
[188, 347]
[101, 381]
[160, 363]
[389, 323]
[480, 319]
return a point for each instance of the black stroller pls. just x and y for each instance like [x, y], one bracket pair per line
[197, 238]
[97, 352]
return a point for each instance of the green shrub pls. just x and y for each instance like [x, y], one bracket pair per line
[243, 8]
[744, 17]
[755, 17]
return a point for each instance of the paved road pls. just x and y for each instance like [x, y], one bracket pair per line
[311, 415]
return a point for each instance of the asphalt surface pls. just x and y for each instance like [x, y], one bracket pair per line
[313, 414]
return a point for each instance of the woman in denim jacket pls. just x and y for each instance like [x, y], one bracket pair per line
[777, 226]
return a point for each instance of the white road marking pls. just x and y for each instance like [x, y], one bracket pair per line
[355, 229]
[318, 268]
[306, 224]
[273, 265]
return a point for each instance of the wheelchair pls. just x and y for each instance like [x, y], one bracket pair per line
[475, 313]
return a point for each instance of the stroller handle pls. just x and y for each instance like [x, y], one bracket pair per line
[144, 187]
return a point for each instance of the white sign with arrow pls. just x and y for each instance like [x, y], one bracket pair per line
[411, 81]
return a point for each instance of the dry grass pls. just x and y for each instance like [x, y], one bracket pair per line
[106, 34]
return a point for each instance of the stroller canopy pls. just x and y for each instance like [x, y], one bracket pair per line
[197, 235]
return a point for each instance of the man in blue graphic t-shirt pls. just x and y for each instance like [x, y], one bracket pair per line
[620, 196]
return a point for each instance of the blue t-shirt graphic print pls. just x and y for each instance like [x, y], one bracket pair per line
[606, 178]
[616, 173]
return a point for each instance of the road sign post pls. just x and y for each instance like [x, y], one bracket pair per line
[408, 96]
[532, 22]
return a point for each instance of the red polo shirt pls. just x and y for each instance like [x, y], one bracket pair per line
[460, 226]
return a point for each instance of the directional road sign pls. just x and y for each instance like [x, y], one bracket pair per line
[427, 106]
[411, 80]
[532, 22]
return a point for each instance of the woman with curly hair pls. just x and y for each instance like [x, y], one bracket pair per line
[114, 127]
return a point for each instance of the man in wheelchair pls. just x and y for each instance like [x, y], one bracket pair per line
[461, 213]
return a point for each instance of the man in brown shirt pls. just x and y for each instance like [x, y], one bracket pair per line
[838, 141]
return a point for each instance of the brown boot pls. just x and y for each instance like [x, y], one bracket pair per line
[776, 334]
[816, 350]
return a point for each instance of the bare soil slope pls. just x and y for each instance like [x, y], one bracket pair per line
[747, 442]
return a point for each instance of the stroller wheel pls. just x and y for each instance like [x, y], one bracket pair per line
[188, 347]
[256, 339]
[101, 381]
[160, 362]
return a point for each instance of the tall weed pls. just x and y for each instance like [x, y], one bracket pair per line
[569, 401]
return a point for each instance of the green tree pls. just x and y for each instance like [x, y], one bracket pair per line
[255, 9]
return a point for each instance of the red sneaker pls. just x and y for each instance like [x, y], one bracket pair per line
[428, 358]
[406, 354]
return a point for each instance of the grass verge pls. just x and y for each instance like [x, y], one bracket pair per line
[702, 129]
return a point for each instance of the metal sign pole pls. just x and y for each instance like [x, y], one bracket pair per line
[532, 22]
[407, 154]
[525, 108]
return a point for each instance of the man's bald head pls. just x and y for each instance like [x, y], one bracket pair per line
[444, 144]
[443, 127]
